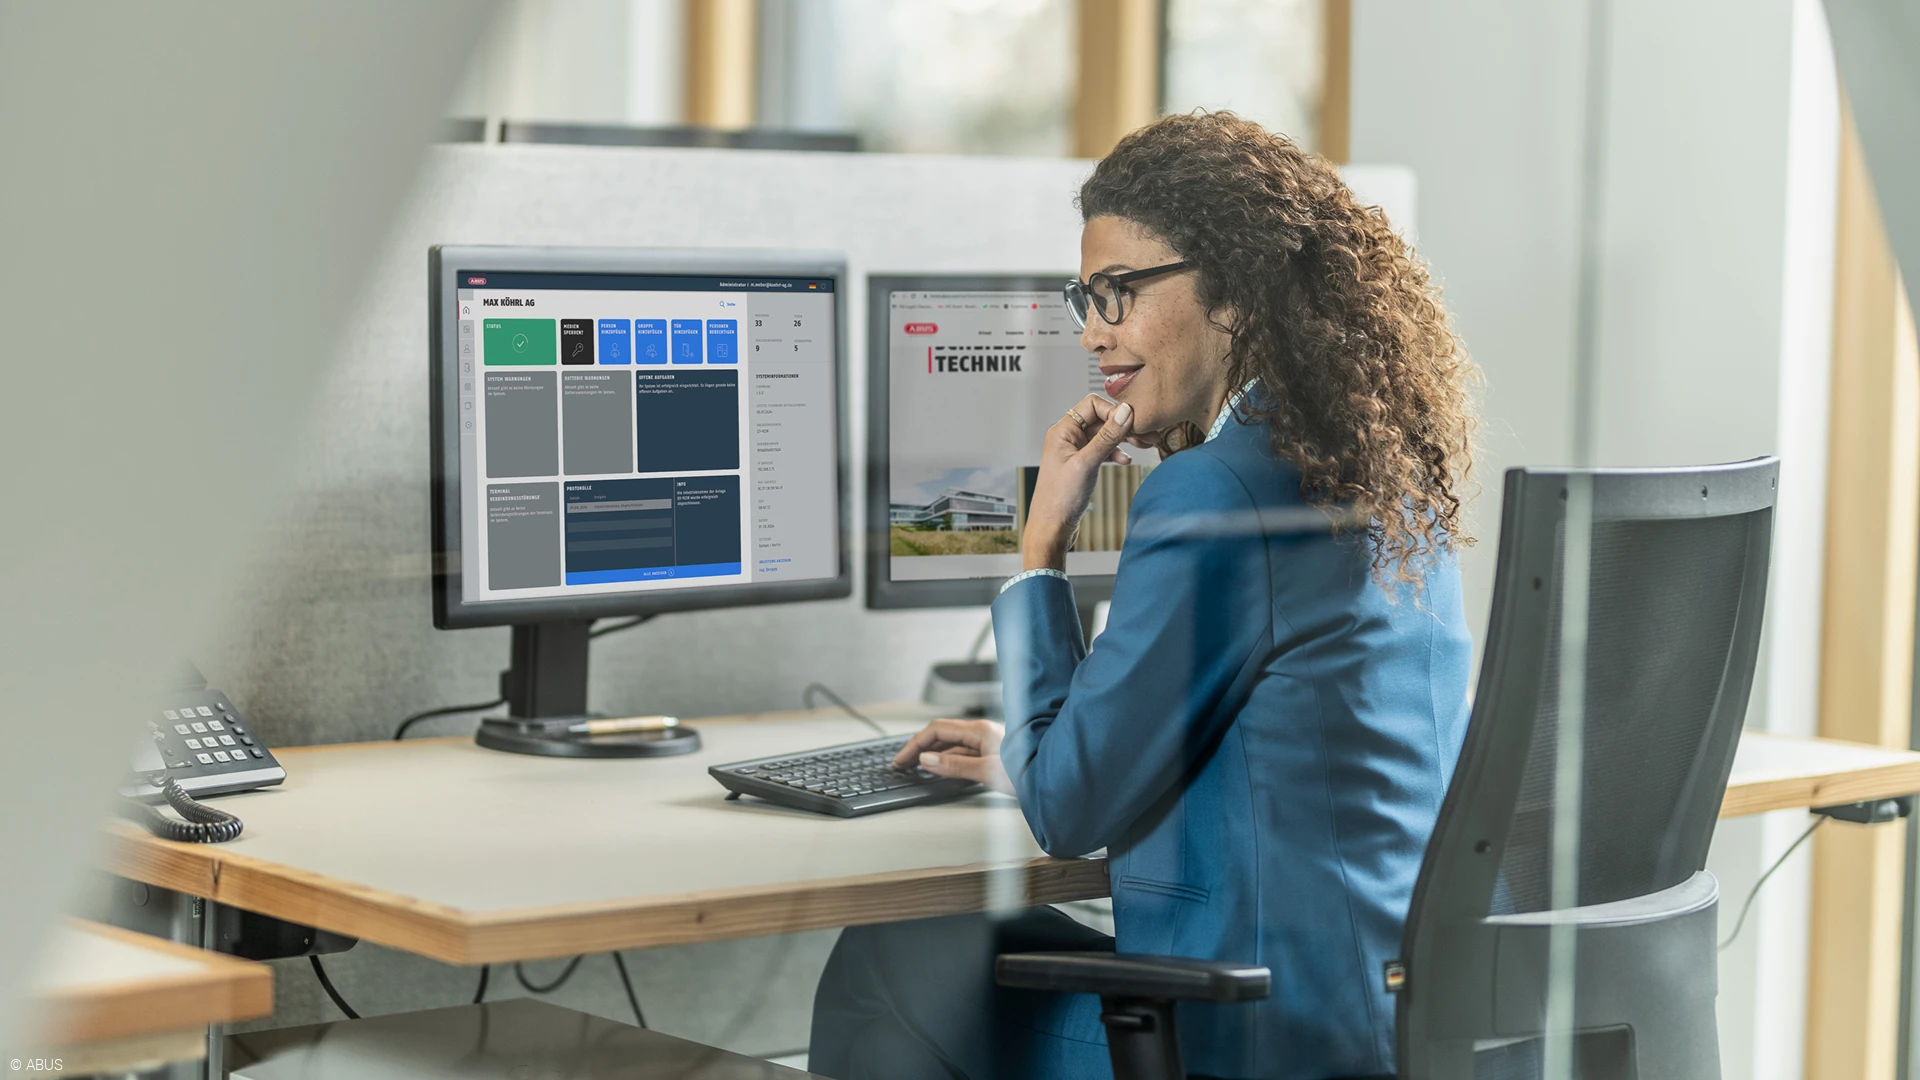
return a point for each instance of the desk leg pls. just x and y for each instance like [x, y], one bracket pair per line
[216, 1033]
[184, 919]
[192, 924]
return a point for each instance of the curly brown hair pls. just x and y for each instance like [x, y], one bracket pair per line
[1366, 388]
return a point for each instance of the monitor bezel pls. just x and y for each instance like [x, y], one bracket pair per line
[883, 593]
[450, 610]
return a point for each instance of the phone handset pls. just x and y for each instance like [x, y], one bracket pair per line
[198, 745]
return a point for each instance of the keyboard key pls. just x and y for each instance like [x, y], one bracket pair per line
[220, 755]
[205, 759]
[200, 728]
[182, 729]
[170, 714]
[226, 740]
[204, 711]
[193, 744]
[215, 725]
[255, 751]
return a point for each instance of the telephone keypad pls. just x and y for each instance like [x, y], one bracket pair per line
[204, 744]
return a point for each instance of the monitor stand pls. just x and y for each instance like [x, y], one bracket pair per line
[546, 692]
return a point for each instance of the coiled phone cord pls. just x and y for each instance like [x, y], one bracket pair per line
[203, 824]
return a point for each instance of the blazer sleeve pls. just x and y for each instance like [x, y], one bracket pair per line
[1095, 738]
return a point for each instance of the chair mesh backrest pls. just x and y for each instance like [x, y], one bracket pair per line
[1665, 595]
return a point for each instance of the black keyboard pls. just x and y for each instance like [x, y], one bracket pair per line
[847, 780]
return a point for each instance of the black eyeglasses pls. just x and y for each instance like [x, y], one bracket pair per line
[1108, 293]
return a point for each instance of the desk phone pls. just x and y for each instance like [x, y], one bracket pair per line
[199, 739]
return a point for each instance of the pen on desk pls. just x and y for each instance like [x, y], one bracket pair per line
[623, 725]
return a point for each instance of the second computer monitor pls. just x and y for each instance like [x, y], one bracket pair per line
[965, 373]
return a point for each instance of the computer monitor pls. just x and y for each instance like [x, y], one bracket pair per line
[630, 433]
[965, 373]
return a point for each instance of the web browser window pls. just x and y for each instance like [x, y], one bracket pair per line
[624, 432]
[974, 381]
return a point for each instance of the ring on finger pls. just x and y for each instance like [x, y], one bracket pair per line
[1078, 421]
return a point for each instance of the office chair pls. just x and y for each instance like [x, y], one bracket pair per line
[1677, 586]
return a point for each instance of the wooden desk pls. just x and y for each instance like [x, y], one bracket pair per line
[1784, 772]
[470, 856]
[111, 1000]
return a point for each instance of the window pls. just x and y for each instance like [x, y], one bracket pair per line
[1263, 59]
[932, 76]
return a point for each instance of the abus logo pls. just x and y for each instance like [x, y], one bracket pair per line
[476, 281]
[923, 328]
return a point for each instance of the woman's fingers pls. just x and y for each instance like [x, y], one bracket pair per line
[1093, 411]
[940, 735]
[1096, 409]
[953, 763]
[1105, 441]
[969, 749]
[980, 768]
[922, 740]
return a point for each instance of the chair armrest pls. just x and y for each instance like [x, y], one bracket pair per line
[1130, 975]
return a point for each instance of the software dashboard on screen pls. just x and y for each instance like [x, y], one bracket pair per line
[623, 433]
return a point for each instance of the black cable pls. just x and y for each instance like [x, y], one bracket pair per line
[1755, 891]
[203, 824]
[980, 642]
[327, 985]
[480, 995]
[520, 973]
[401, 731]
[806, 701]
[632, 998]
[626, 624]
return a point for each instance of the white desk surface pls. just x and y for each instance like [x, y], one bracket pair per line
[471, 856]
[106, 999]
[1785, 772]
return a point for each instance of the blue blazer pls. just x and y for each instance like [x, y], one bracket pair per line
[1260, 739]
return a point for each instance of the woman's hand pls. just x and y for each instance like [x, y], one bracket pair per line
[969, 749]
[1070, 461]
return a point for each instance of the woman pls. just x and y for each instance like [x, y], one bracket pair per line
[1262, 736]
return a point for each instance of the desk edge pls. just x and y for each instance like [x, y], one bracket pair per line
[224, 989]
[455, 936]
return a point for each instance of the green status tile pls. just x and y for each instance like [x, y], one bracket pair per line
[521, 341]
